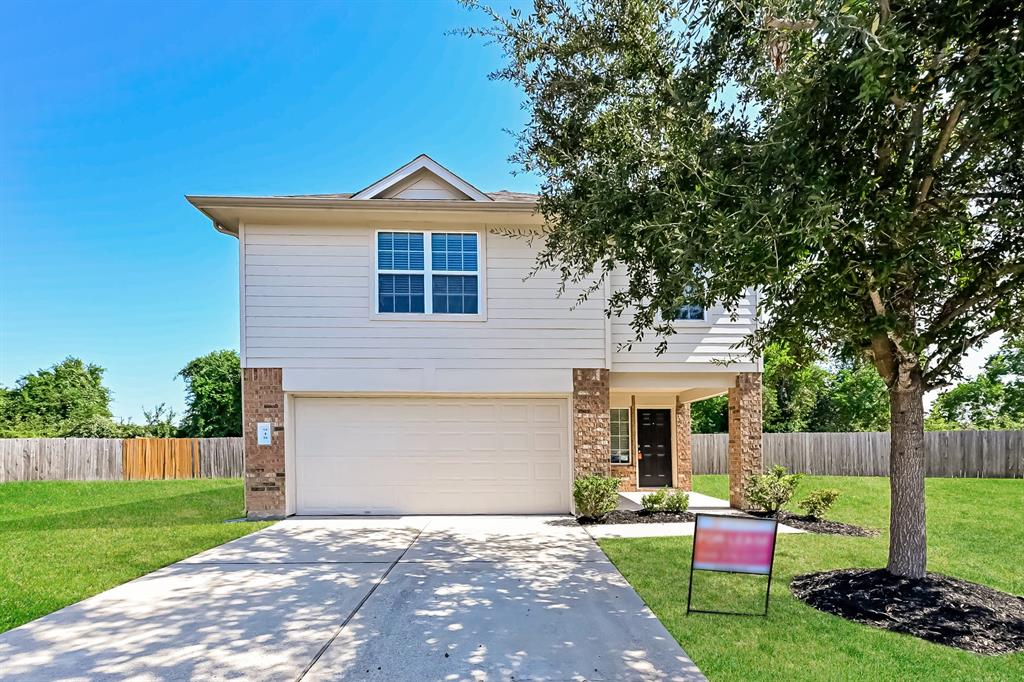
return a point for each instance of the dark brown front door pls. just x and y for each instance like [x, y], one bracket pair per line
[654, 439]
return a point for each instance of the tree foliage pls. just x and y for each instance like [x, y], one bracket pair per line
[213, 395]
[992, 400]
[807, 396]
[710, 416]
[64, 399]
[859, 163]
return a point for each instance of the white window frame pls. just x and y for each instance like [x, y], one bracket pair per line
[428, 279]
[629, 437]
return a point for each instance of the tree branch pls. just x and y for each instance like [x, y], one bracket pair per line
[940, 149]
[973, 295]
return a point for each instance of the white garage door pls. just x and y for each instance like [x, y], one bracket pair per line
[431, 456]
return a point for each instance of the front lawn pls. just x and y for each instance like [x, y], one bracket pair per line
[975, 532]
[63, 541]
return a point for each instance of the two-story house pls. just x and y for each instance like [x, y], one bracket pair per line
[396, 359]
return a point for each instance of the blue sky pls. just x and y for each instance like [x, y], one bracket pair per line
[111, 112]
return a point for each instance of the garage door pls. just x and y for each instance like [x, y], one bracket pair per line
[430, 456]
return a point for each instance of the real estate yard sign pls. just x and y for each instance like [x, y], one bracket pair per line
[733, 544]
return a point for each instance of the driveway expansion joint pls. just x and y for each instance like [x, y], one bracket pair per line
[362, 601]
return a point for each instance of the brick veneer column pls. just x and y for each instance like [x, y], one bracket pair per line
[591, 427]
[744, 434]
[684, 446]
[263, 401]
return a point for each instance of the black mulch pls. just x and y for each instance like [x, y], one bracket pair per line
[815, 525]
[620, 516]
[937, 608]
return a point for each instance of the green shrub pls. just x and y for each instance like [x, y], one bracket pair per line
[595, 496]
[770, 491]
[655, 501]
[662, 500]
[817, 502]
[677, 502]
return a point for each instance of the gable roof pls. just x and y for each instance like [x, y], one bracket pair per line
[427, 174]
[422, 186]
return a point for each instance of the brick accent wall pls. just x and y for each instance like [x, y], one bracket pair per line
[684, 446]
[263, 401]
[744, 434]
[591, 428]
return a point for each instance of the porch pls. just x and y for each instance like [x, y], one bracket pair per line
[637, 427]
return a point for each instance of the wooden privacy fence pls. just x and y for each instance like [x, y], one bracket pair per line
[160, 458]
[971, 454]
[111, 459]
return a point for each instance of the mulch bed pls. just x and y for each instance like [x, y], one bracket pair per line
[937, 608]
[815, 525]
[620, 516]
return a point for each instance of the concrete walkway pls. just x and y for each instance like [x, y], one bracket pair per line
[409, 598]
[699, 504]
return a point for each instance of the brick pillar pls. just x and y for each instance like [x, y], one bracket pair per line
[684, 446]
[591, 427]
[744, 434]
[263, 401]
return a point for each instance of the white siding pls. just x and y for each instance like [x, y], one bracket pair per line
[307, 307]
[695, 347]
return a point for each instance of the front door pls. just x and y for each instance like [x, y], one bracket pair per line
[654, 440]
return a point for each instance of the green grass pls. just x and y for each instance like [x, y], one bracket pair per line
[975, 532]
[63, 541]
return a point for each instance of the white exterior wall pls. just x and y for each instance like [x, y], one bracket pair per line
[697, 346]
[307, 307]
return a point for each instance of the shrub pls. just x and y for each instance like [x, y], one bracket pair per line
[817, 502]
[654, 501]
[661, 500]
[595, 496]
[677, 502]
[770, 491]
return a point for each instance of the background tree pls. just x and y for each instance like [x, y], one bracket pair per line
[160, 422]
[992, 400]
[213, 396]
[861, 163]
[710, 415]
[838, 396]
[56, 401]
[854, 398]
[792, 390]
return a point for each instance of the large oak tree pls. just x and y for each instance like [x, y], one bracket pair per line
[860, 163]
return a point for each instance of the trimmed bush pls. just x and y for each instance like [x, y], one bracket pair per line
[595, 495]
[655, 501]
[818, 502]
[677, 502]
[662, 500]
[771, 490]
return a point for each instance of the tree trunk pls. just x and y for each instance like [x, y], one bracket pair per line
[907, 545]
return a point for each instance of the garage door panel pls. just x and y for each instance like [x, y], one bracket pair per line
[441, 456]
[549, 471]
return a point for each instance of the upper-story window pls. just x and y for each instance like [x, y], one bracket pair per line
[445, 283]
[690, 311]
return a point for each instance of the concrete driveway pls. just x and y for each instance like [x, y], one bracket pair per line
[409, 598]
